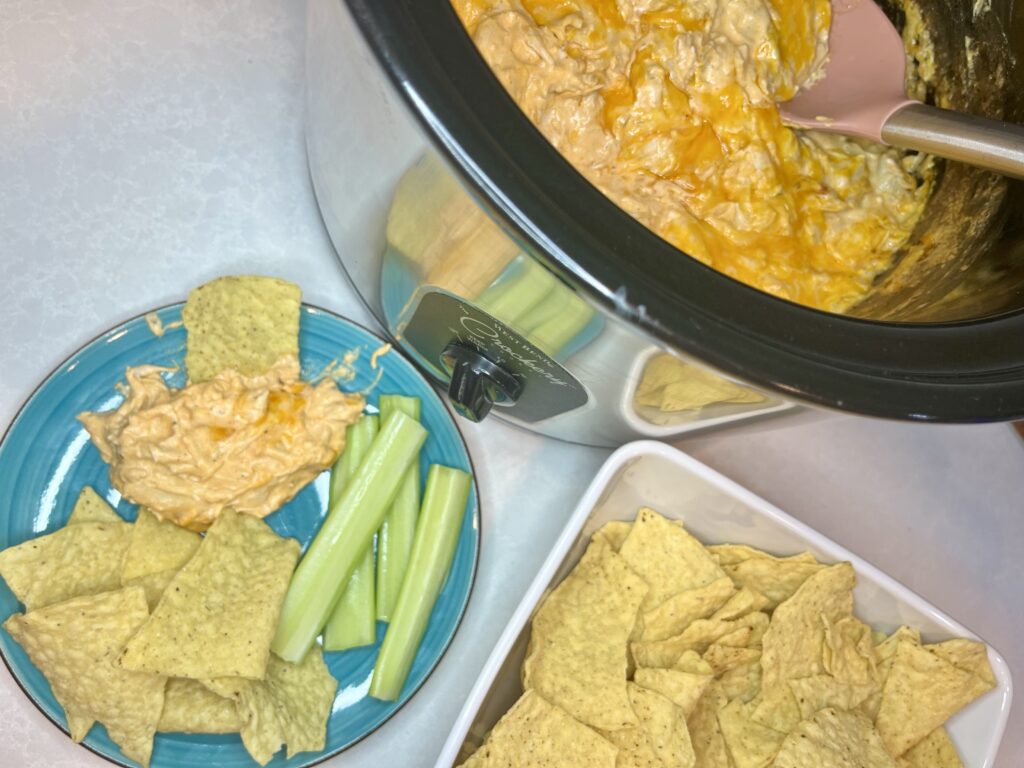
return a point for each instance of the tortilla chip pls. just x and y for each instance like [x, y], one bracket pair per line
[245, 323]
[823, 691]
[705, 733]
[742, 602]
[537, 734]
[191, 707]
[668, 558]
[690, 661]
[696, 637]
[73, 644]
[79, 725]
[794, 641]
[968, 655]
[849, 652]
[777, 579]
[742, 681]
[834, 739]
[683, 689]
[91, 508]
[664, 725]
[290, 707]
[775, 707]
[885, 653]
[577, 653]
[750, 744]
[218, 616]
[679, 611]
[635, 748]
[614, 533]
[921, 692]
[934, 751]
[80, 559]
[156, 552]
[722, 658]
[670, 385]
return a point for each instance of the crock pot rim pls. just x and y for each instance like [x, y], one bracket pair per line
[964, 371]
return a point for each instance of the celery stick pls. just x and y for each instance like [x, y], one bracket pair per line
[344, 535]
[353, 621]
[558, 331]
[511, 297]
[437, 533]
[394, 540]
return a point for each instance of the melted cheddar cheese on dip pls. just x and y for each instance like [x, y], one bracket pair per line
[668, 107]
[248, 443]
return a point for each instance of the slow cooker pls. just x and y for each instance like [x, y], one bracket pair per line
[516, 284]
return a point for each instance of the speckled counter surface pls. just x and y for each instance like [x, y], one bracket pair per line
[148, 145]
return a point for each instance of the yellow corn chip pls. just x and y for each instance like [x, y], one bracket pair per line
[775, 707]
[849, 652]
[696, 637]
[156, 552]
[665, 726]
[80, 559]
[775, 578]
[742, 681]
[921, 692]
[577, 653]
[668, 558]
[742, 602]
[834, 739]
[705, 734]
[78, 724]
[968, 655]
[537, 734]
[191, 707]
[671, 385]
[935, 751]
[750, 744]
[793, 643]
[823, 691]
[218, 615]
[73, 644]
[90, 508]
[677, 612]
[635, 748]
[885, 652]
[245, 323]
[614, 533]
[290, 707]
[690, 661]
[722, 658]
[683, 689]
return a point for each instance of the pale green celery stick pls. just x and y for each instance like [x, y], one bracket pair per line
[353, 621]
[344, 536]
[510, 298]
[559, 330]
[437, 533]
[394, 540]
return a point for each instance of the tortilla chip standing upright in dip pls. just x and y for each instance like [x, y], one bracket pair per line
[246, 434]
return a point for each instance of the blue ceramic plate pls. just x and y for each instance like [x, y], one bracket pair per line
[46, 459]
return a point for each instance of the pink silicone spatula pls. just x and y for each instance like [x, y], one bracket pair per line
[863, 94]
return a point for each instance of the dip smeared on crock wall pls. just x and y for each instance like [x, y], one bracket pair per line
[669, 109]
[249, 443]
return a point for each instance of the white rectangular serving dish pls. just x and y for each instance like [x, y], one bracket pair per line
[715, 510]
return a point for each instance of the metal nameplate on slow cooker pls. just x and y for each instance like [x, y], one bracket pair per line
[548, 388]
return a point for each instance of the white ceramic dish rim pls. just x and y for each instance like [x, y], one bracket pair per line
[574, 525]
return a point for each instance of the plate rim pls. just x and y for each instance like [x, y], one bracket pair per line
[475, 511]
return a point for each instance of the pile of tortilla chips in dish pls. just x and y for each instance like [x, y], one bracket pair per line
[659, 652]
[150, 626]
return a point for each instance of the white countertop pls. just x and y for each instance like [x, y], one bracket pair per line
[148, 145]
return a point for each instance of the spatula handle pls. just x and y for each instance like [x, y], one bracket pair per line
[991, 144]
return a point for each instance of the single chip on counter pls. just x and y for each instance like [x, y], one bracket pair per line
[91, 508]
[191, 707]
[577, 652]
[74, 644]
[80, 559]
[537, 734]
[217, 616]
[245, 323]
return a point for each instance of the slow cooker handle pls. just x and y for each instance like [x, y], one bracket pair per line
[477, 383]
